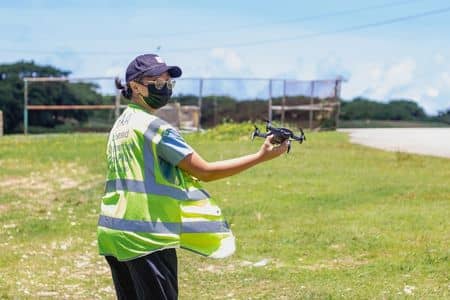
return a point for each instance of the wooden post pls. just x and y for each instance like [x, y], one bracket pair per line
[215, 111]
[283, 102]
[1, 123]
[311, 102]
[200, 100]
[117, 104]
[337, 97]
[270, 100]
[25, 107]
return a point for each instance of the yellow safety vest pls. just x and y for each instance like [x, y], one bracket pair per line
[141, 210]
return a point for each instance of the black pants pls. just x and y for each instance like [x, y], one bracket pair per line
[153, 276]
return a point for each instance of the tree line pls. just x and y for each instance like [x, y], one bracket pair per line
[214, 110]
[48, 93]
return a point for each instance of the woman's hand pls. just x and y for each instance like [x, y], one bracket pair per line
[269, 151]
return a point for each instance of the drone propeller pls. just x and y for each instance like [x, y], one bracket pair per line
[258, 133]
[255, 132]
[300, 138]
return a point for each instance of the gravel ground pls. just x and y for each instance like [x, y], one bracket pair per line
[428, 141]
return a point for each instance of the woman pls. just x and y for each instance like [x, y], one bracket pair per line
[153, 200]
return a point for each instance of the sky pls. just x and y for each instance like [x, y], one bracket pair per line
[385, 49]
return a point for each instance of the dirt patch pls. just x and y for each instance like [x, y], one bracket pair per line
[337, 263]
[4, 208]
[31, 187]
[40, 188]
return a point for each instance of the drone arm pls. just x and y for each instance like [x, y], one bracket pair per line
[299, 138]
[259, 134]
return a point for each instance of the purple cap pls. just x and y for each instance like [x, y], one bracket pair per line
[150, 65]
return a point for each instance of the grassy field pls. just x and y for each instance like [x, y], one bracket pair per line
[331, 220]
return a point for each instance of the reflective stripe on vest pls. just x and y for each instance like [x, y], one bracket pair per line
[151, 187]
[163, 227]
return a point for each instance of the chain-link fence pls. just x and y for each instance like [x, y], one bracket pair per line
[93, 103]
[310, 104]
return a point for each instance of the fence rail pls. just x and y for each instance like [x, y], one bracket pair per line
[285, 98]
[69, 107]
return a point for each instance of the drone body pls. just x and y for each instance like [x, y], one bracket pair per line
[280, 134]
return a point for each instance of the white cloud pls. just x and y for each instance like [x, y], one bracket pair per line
[405, 79]
[363, 76]
[230, 58]
[219, 62]
[375, 73]
[114, 71]
[431, 106]
[332, 67]
[66, 59]
[432, 92]
[397, 76]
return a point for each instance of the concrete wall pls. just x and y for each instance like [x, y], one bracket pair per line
[182, 117]
[170, 113]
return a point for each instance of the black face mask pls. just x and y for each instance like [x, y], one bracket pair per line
[157, 98]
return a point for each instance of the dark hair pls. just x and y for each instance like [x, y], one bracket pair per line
[125, 89]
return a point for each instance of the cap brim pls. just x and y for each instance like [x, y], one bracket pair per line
[173, 71]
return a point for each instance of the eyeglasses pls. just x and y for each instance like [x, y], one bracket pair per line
[159, 83]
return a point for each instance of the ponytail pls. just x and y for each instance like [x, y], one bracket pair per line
[124, 89]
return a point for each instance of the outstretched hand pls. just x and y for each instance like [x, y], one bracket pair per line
[269, 150]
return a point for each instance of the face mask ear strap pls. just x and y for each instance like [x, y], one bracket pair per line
[142, 98]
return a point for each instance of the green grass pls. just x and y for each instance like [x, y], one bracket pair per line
[332, 220]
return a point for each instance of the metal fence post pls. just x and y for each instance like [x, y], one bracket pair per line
[215, 110]
[1, 123]
[25, 107]
[117, 104]
[283, 102]
[200, 102]
[270, 100]
[337, 97]
[311, 103]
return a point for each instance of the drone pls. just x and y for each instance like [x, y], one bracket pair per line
[280, 134]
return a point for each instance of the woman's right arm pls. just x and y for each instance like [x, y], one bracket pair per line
[195, 165]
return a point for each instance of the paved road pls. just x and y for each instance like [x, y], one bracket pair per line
[429, 141]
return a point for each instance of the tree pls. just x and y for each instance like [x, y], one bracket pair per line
[12, 93]
[396, 110]
[444, 116]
